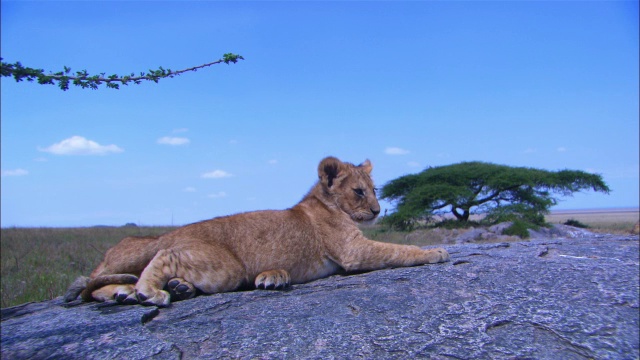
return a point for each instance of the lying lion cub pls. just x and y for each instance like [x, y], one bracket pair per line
[269, 249]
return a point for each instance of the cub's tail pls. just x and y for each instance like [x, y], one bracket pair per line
[84, 286]
[76, 288]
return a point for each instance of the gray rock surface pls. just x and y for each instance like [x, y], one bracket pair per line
[542, 299]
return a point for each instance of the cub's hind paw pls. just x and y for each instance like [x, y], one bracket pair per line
[273, 280]
[180, 289]
[125, 299]
[113, 292]
[161, 298]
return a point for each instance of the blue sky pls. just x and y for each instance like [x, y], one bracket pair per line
[551, 85]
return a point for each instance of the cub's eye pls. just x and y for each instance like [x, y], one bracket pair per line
[359, 192]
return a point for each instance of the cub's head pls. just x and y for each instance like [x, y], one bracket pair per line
[350, 187]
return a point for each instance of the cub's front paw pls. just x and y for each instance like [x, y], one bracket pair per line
[160, 298]
[437, 256]
[180, 289]
[273, 280]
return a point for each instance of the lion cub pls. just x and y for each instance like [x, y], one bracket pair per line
[267, 249]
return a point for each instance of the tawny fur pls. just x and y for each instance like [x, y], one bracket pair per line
[267, 249]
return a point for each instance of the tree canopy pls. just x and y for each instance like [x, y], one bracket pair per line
[498, 191]
[84, 80]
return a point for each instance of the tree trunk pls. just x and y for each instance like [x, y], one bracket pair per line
[461, 217]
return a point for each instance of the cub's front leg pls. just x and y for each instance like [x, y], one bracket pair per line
[362, 254]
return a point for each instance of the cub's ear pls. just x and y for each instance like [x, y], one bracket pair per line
[329, 169]
[367, 166]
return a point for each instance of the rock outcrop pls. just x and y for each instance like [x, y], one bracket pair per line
[542, 299]
[492, 234]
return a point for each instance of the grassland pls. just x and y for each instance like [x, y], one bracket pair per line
[39, 263]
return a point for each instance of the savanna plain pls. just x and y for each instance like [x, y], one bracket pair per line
[39, 263]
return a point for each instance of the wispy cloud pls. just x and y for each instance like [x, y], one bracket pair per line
[189, 189]
[562, 149]
[16, 172]
[181, 130]
[217, 195]
[216, 174]
[272, 162]
[413, 164]
[174, 141]
[530, 150]
[630, 171]
[395, 151]
[78, 145]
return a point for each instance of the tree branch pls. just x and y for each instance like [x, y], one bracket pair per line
[84, 80]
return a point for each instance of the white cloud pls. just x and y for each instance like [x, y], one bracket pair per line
[16, 172]
[562, 149]
[189, 189]
[41, 159]
[395, 151]
[216, 174]
[78, 145]
[217, 195]
[413, 164]
[233, 141]
[168, 140]
[272, 161]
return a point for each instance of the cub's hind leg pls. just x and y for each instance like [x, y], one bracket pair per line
[208, 268]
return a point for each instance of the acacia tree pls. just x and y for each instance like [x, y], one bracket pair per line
[84, 80]
[502, 192]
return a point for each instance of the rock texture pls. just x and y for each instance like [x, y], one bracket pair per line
[541, 299]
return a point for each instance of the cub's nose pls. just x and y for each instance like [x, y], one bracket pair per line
[375, 211]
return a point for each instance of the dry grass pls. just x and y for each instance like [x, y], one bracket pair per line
[39, 263]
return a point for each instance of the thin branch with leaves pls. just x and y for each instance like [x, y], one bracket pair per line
[84, 80]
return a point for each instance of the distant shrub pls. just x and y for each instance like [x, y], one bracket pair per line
[576, 223]
[455, 224]
[516, 212]
[518, 228]
[398, 223]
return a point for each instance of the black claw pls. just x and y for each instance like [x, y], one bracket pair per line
[182, 288]
[120, 298]
[270, 287]
[130, 301]
[142, 297]
[173, 283]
